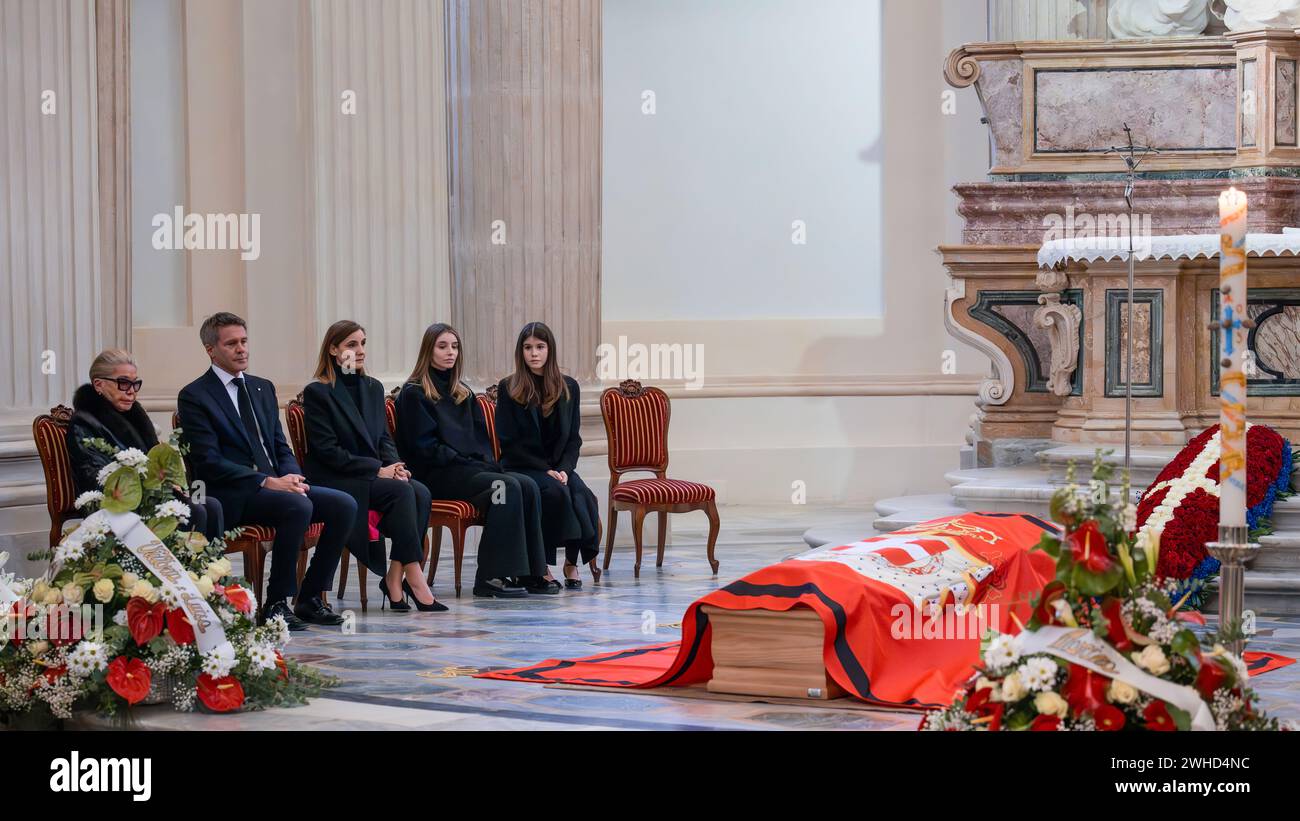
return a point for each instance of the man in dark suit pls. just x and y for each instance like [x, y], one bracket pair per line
[231, 422]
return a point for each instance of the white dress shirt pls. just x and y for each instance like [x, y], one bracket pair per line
[228, 380]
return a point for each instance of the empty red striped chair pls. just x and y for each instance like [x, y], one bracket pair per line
[636, 427]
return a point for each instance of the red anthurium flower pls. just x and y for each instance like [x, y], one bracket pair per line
[1084, 690]
[1158, 718]
[1108, 717]
[220, 695]
[239, 598]
[1211, 677]
[129, 678]
[178, 624]
[284, 668]
[1088, 547]
[1110, 609]
[1044, 611]
[144, 620]
[1045, 723]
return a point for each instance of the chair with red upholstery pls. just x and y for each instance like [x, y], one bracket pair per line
[293, 417]
[457, 516]
[636, 427]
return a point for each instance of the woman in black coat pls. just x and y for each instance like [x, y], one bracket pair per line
[349, 449]
[443, 437]
[538, 421]
[106, 408]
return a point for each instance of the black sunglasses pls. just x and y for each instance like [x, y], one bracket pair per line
[126, 385]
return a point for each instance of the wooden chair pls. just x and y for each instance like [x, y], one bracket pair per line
[636, 427]
[457, 516]
[50, 430]
[297, 430]
[253, 540]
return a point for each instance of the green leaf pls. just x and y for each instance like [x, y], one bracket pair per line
[122, 491]
[1182, 718]
[1184, 643]
[165, 467]
[1049, 544]
[1097, 584]
[164, 527]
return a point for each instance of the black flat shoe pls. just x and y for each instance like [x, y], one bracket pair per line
[436, 607]
[314, 610]
[399, 606]
[495, 589]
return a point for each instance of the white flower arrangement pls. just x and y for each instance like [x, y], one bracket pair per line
[1002, 651]
[1039, 673]
[86, 658]
[133, 458]
[175, 508]
[219, 662]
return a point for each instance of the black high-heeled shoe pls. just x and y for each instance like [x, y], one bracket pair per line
[574, 583]
[399, 605]
[436, 607]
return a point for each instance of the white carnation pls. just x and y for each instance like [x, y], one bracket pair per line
[105, 472]
[88, 498]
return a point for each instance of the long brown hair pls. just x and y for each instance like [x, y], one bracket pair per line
[523, 386]
[335, 335]
[424, 363]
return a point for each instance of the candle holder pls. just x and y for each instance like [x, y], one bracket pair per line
[1234, 550]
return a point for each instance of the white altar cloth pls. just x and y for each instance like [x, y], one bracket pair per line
[1182, 246]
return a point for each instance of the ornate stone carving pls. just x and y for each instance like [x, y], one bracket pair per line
[1254, 14]
[1061, 321]
[996, 389]
[1134, 19]
[1052, 280]
[961, 69]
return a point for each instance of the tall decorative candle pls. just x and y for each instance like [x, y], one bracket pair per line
[1232, 348]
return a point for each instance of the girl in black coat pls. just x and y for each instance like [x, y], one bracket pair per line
[349, 449]
[106, 408]
[443, 438]
[538, 420]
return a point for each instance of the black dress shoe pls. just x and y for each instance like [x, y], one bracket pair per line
[281, 608]
[497, 589]
[314, 611]
[539, 585]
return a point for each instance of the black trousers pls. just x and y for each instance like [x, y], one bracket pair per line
[511, 544]
[206, 518]
[291, 514]
[569, 517]
[404, 510]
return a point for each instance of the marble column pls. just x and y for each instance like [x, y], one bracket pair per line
[525, 126]
[377, 93]
[1047, 20]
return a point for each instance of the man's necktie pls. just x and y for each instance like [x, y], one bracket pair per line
[246, 415]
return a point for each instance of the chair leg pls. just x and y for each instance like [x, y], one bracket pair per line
[609, 537]
[343, 573]
[458, 551]
[712, 512]
[361, 580]
[663, 535]
[437, 549]
[638, 518]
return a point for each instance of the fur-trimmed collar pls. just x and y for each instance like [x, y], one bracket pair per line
[132, 429]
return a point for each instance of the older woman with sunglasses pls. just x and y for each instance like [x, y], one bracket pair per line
[106, 408]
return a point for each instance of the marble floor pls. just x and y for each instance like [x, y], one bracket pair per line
[413, 670]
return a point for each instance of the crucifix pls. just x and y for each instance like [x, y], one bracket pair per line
[1133, 156]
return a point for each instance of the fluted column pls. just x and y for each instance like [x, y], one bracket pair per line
[1047, 20]
[378, 100]
[65, 300]
[525, 107]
